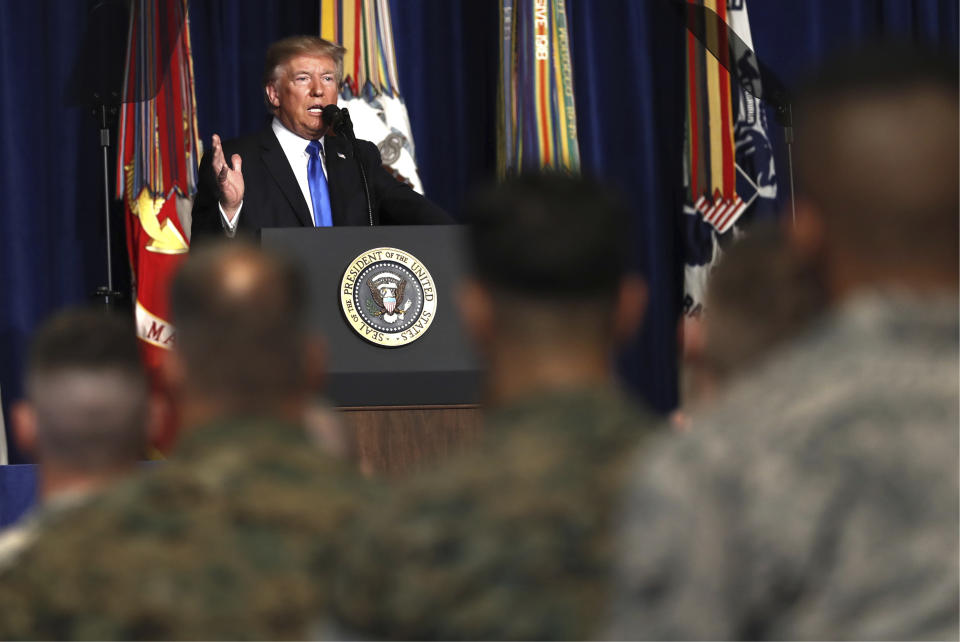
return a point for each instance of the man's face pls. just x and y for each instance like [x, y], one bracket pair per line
[306, 85]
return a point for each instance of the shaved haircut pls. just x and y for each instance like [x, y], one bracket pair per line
[86, 383]
[553, 249]
[241, 325]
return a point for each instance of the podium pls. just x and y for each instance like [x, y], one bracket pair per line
[407, 404]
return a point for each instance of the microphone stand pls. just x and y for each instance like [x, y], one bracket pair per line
[96, 82]
[343, 126]
[105, 294]
[786, 119]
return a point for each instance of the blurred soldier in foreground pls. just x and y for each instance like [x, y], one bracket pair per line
[819, 500]
[85, 417]
[511, 541]
[231, 537]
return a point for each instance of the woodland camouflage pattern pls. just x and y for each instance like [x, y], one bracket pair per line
[509, 542]
[231, 539]
[819, 501]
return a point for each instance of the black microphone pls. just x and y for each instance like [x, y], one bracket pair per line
[339, 121]
[330, 115]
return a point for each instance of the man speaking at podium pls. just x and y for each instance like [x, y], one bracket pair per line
[296, 172]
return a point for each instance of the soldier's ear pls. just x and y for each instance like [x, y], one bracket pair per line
[23, 416]
[476, 310]
[806, 234]
[160, 415]
[173, 372]
[629, 308]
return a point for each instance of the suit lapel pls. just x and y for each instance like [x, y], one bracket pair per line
[340, 167]
[279, 167]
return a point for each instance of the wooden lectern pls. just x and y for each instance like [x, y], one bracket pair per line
[407, 405]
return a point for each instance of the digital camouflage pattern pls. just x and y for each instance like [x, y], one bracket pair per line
[818, 501]
[511, 541]
[231, 539]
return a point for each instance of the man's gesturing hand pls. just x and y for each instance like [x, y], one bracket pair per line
[229, 179]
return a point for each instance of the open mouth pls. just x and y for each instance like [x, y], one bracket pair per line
[316, 109]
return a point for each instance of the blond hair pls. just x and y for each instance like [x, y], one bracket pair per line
[283, 51]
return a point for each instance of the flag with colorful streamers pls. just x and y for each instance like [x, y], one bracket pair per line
[158, 154]
[537, 118]
[728, 161]
[370, 89]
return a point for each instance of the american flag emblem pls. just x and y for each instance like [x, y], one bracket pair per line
[720, 212]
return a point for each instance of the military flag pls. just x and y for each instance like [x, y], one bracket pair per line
[158, 153]
[371, 87]
[729, 170]
[537, 118]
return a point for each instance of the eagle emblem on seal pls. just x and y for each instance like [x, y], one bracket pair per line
[387, 291]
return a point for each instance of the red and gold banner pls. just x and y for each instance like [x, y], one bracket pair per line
[157, 165]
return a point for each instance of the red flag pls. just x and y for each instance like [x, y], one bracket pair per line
[157, 167]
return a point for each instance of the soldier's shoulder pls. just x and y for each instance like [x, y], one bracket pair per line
[509, 541]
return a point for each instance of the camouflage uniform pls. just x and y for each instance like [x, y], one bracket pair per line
[508, 542]
[231, 539]
[819, 500]
[18, 537]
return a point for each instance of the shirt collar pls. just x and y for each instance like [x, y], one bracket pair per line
[293, 146]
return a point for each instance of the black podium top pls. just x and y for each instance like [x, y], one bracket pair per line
[439, 368]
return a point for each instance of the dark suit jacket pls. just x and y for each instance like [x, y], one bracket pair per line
[272, 197]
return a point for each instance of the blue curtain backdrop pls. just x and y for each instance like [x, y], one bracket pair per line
[628, 78]
[52, 248]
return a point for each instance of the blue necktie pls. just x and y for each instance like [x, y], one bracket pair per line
[319, 193]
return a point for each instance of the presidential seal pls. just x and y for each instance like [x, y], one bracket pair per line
[388, 297]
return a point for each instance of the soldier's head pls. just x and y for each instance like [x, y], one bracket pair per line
[242, 344]
[877, 169]
[549, 264]
[86, 394]
[762, 293]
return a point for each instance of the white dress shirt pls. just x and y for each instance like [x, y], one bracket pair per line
[295, 149]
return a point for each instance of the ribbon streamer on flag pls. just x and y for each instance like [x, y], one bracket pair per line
[728, 163]
[370, 87]
[158, 154]
[537, 125]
